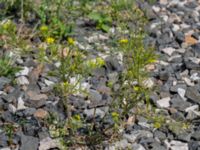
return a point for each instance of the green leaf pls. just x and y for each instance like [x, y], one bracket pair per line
[105, 27]
[95, 16]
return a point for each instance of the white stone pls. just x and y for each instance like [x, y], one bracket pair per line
[57, 64]
[188, 81]
[12, 108]
[102, 37]
[23, 72]
[48, 82]
[175, 27]
[174, 57]
[48, 143]
[164, 102]
[22, 80]
[195, 60]
[163, 2]
[2, 93]
[149, 83]
[154, 25]
[181, 92]
[194, 77]
[20, 104]
[156, 8]
[192, 108]
[168, 50]
[6, 148]
[176, 145]
[185, 26]
[181, 50]
[164, 63]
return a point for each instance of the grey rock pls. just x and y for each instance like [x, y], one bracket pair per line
[192, 115]
[3, 140]
[180, 104]
[160, 135]
[113, 64]
[194, 145]
[157, 146]
[42, 135]
[136, 146]
[177, 86]
[196, 136]
[164, 75]
[178, 116]
[184, 136]
[29, 143]
[29, 111]
[12, 97]
[142, 133]
[3, 82]
[35, 99]
[90, 113]
[193, 94]
[123, 144]
[95, 95]
[7, 116]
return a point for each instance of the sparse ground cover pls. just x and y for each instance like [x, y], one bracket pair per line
[84, 74]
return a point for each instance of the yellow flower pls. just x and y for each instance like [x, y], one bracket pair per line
[100, 62]
[114, 114]
[152, 60]
[157, 125]
[50, 40]
[71, 41]
[77, 117]
[44, 28]
[123, 41]
[95, 63]
[7, 24]
[136, 88]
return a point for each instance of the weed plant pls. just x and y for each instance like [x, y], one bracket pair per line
[58, 48]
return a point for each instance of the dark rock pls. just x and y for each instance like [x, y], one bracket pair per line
[164, 75]
[196, 49]
[180, 37]
[29, 111]
[7, 116]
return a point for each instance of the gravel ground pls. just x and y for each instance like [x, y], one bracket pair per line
[175, 32]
